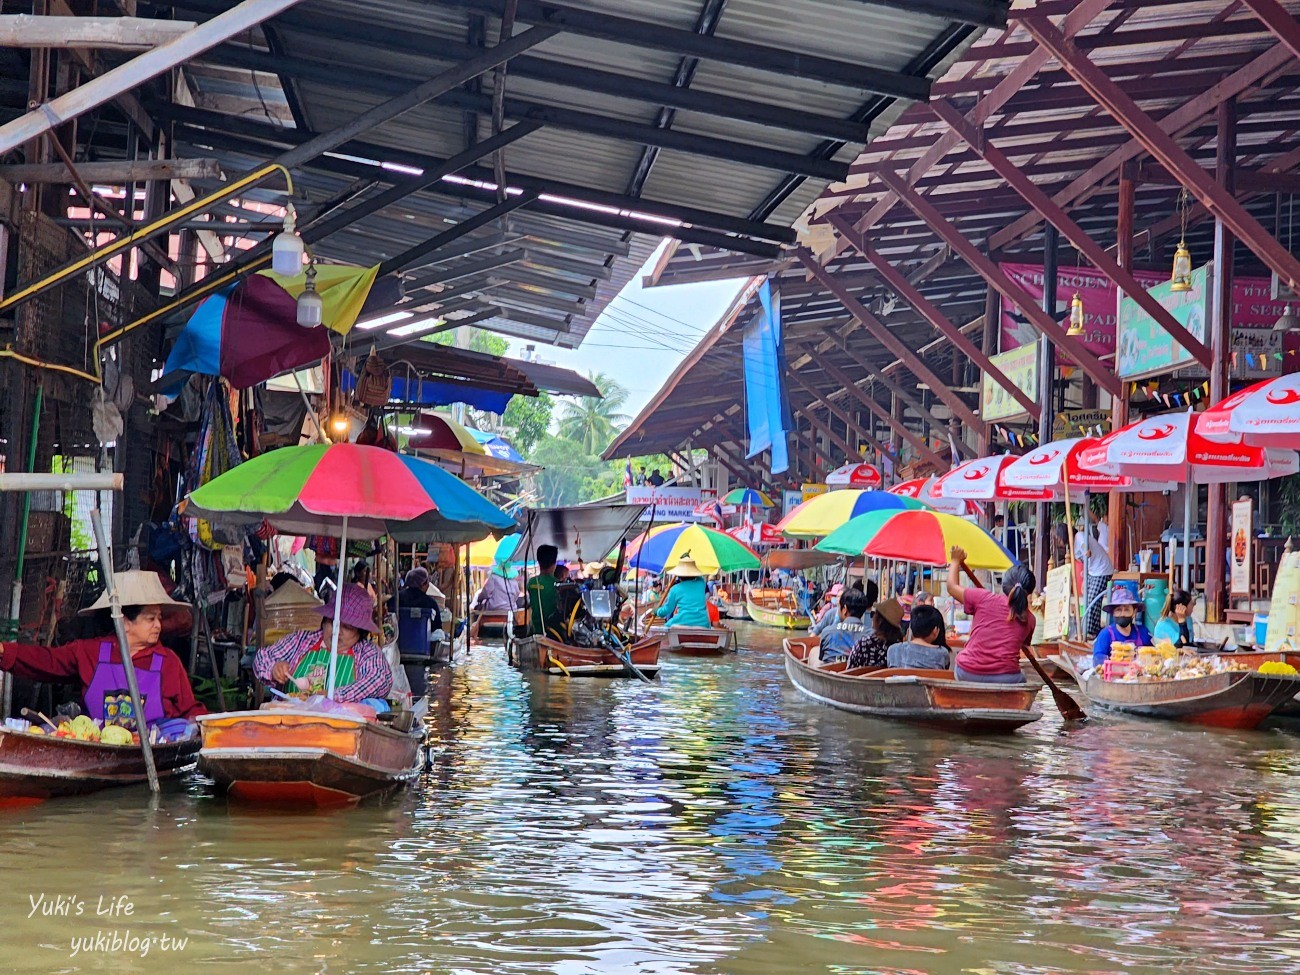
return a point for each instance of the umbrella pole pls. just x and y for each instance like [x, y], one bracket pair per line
[468, 628]
[1189, 512]
[338, 610]
[128, 665]
[1069, 549]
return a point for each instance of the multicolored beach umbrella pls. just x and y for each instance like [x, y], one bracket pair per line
[924, 537]
[713, 551]
[823, 513]
[310, 490]
[748, 497]
[248, 332]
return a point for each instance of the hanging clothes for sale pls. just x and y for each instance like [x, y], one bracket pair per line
[216, 452]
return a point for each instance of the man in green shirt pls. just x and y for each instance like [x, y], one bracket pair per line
[543, 601]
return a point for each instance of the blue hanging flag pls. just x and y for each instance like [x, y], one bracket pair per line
[767, 407]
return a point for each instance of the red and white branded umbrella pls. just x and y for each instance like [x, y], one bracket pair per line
[922, 488]
[760, 534]
[1266, 414]
[1049, 465]
[1169, 447]
[855, 475]
[981, 480]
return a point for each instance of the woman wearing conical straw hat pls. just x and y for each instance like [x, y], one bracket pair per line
[688, 600]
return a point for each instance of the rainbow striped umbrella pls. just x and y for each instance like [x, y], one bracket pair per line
[823, 513]
[917, 536]
[713, 551]
[748, 497]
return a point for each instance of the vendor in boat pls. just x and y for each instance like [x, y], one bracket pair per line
[300, 661]
[1000, 623]
[1176, 622]
[839, 641]
[1122, 606]
[543, 600]
[886, 631]
[687, 603]
[165, 691]
[927, 647]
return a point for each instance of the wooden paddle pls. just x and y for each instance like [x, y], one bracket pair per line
[1070, 710]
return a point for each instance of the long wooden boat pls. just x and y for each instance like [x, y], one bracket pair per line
[284, 756]
[38, 767]
[561, 659]
[695, 641]
[492, 625]
[775, 607]
[930, 697]
[731, 601]
[1234, 699]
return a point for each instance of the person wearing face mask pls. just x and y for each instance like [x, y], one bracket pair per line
[1122, 606]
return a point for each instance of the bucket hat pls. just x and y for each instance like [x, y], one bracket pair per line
[1119, 596]
[358, 609]
[891, 610]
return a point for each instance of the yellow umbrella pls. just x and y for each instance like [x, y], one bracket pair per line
[342, 288]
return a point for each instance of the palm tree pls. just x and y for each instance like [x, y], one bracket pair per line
[594, 421]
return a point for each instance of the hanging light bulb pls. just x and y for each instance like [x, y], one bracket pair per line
[287, 249]
[311, 307]
[1180, 278]
[1076, 316]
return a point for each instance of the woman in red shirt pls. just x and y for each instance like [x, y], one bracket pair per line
[97, 663]
[1000, 624]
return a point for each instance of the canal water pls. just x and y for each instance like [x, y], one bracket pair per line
[713, 822]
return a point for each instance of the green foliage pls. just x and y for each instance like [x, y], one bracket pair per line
[594, 422]
[479, 341]
[236, 698]
[567, 468]
[1288, 496]
[527, 420]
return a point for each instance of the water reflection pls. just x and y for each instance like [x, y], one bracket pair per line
[714, 821]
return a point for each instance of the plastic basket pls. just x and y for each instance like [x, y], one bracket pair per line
[1117, 669]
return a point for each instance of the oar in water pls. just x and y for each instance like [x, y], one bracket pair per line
[625, 658]
[1068, 707]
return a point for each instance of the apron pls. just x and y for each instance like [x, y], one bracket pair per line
[315, 666]
[108, 696]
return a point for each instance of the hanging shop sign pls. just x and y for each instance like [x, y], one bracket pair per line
[790, 499]
[1021, 367]
[1243, 548]
[668, 503]
[1143, 348]
[1081, 423]
[811, 490]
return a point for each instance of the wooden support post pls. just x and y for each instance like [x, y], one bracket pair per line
[892, 417]
[1216, 512]
[1116, 510]
[104, 33]
[854, 428]
[116, 173]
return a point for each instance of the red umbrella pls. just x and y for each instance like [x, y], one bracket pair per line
[1266, 414]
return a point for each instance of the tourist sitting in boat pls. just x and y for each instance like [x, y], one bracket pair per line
[688, 600]
[1122, 606]
[886, 631]
[927, 647]
[543, 600]
[165, 690]
[498, 594]
[838, 641]
[1000, 624]
[300, 661]
[830, 614]
[1176, 622]
[414, 595]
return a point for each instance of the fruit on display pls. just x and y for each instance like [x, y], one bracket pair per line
[1278, 667]
[116, 735]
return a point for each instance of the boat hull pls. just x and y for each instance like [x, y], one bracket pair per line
[929, 697]
[38, 767]
[560, 659]
[492, 626]
[285, 757]
[769, 611]
[1237, 699]
[694, 641]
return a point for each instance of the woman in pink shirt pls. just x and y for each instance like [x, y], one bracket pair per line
[1000, 624]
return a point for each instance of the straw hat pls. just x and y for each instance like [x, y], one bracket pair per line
[137, 588]
[358, 609]
[890, 610]
[686, 569]
[291, 595]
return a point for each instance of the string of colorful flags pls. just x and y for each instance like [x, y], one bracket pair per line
[1151, 389]
[1017, 439]
[1260, 360]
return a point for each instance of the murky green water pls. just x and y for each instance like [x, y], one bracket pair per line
[713, 822]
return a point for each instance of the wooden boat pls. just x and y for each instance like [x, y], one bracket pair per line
[1234, 699]
[776, 607]
[38, 767]
[731, 601]
[562, 659]
[929, 697]
[293, 757]
[695, 641]
[492, 625]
